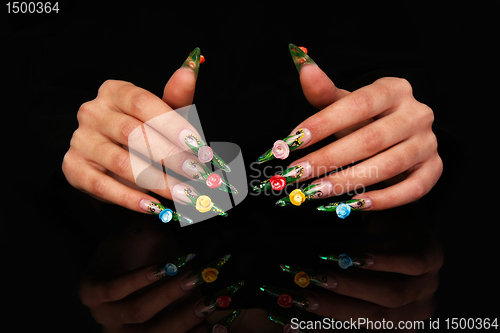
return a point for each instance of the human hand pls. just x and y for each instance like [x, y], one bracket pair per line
[99, 161]
[381, 126]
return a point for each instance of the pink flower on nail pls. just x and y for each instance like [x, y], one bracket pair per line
[281, 149]
[214, 181]
[205, 154]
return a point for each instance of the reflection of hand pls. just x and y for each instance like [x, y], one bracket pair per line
[114, 305]
[394, 284]
[381, 125]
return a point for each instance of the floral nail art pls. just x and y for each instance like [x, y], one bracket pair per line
[343, 209]
[223, 297]
[172, 269]
[221, 326]
[287, 298]
[310, 192]
[287, 326]
[282, 148]
[202, 203]
[196, 144]
[193, 61]
[166, 214]
[290, 175]
[198, 171]
[299, 56]
[304, 276]
[345, 261]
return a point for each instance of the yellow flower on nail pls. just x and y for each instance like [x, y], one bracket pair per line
[204, 203]
[297, 197]
[209, 274]
[302, 279]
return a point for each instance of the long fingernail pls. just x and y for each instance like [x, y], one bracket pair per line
[190, 196]
[345, 261]
[290, 175]
[199, 148]
[304, 276]
[286, 298]
[221, 299]
[193, 61]
[222, 324]
[169, 269]
[282, 148]
[207, 273]
[316, 190]
[165, 214]
[343, 208]
[300, 58]
[199, 172]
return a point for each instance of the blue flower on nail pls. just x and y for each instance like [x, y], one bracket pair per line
[343, 210]
[166, 215]
[345, 261]
[170, 269]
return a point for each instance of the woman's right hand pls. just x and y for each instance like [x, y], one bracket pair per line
[99, 162]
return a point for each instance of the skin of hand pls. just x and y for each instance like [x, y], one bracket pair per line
[382, 127]
[98, 161]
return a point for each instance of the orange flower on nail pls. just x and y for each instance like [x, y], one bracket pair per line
[302, 279]
[209, 275]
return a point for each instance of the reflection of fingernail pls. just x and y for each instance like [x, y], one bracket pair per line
[282, 148]
[345, 261]
[190, 140]
[198, 171]
[169, 269]
[287, 298]
[304, 276]
[290, 175]
[300, 58]
[221, 299]
[193, 61]
[207, 273]
[316, 190]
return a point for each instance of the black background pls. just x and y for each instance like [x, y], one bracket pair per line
[55, 62]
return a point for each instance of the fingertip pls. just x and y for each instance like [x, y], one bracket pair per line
[318, 89]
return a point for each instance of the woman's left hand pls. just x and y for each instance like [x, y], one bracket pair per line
[381, 126]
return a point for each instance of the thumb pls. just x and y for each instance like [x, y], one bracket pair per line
[179, 90]
[318, 89]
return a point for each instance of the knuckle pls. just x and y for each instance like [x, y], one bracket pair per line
[137, 315]
[85, 112]
[109, 86]
[393, 165]
[363, 103]
[139, 101]
[98, 186]
[120, 163]
[398, 296]
[419, 189]
[372, 140]
[130, 130]
[424, 115]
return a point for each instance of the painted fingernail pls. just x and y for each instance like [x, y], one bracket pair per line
[221, 299]
[222, 325]
[343, 208]
[165, 214]
[170, 268]
[287, 324]
[207, 273]
[304, 276]
[190, 196]
[286, 298]
[198, 171]
[345, 261]
[193, 61]
[290, 175]
[299, 56]
[316, 190]
[282, 148]
[199, 148]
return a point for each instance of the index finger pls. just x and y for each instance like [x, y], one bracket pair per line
[351, 109]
